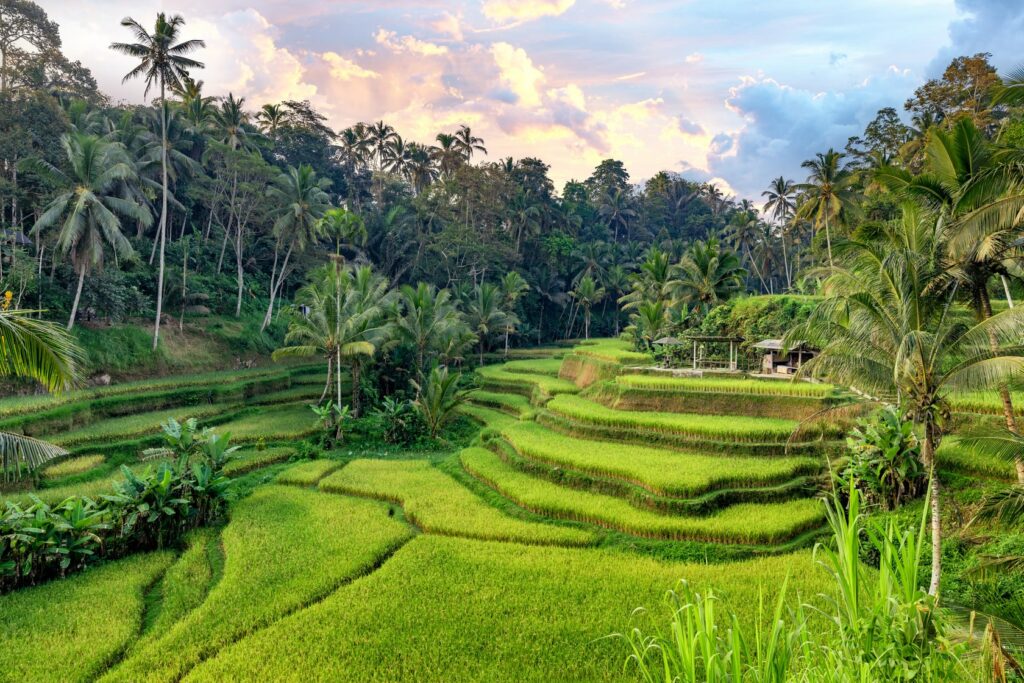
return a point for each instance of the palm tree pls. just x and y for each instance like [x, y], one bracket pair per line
[485, 315]
[438, 397]
[344, 227]
[39, 350]
[780, 206]
[467, 144]
[231, 123]
[616, 211]
[162, 62]
[447, 154]
[886, 329]
[587, 293]
[513, 286]
[827, 196]
[302, 202]
[271, 117]
[707, 275]
[90, 209]
[616, 282]
[419, 166]
[963, 180]
[346, 322]
[427, 321]
[379, 135]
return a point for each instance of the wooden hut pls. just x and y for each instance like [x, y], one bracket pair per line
[779, 360]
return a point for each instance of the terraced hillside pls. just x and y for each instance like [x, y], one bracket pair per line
[508, 560]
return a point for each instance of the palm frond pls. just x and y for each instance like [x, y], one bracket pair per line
[19, 452]
[39, 350]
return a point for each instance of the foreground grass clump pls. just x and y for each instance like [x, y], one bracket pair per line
[496, 612]
[437, 503]
[308, 473]
[71, 466]
[719, 427]
[745, 523]
[662, 471]
[283, 551]
[70, 630]
[731, 385]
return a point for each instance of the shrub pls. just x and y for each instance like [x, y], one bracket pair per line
[399, 421]
[885, 460]
[439, 398]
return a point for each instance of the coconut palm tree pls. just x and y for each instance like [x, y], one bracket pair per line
[707, 275]
[486, 316]
[616, 282]
[90, 208]
[447, 154]
[513, 286]
[346, 321]
[344, 227]
[438, 397]
[587, 293]
[467, 143]
[616, 211]
[427, 320]
[378, 136]
[885, 328]
[162, 63]
[302, 202]
[33, 349]
[780, 206]
[827, 197]
[231, 123]
[419, 166]
[270, 117]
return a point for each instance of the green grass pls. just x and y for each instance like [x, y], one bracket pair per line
[490, 419]
[540, 366]
[308, 473]
[514, 404]
[495, 376]
[283, 551]
[614, 350]
[71, 629]
[985, 402]
[185, 585]
[437, 503]
[662, 471]
[721, 427]
[72, 466]
[743, 523]
[140, 424]
[731, 385]
[274, 423]
[249, 460]
[446, 609]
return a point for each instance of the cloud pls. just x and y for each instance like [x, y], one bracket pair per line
[689, 127]
[518, 74]
[345, 69]
[783, 125]
[390, 40]
[518, 11]
[694, 58]
[629, 77]
[986, 26]
[450, 25]
[836, 58]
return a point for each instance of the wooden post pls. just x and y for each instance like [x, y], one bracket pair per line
[694, 354]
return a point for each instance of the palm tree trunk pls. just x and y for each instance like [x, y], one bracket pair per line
[78, 295]
[828, 241]
[928, 455]
[357, 403]
[240, 270]
[330, 376]
[275, 287]
[785, 262]
[163, 217]
[1006, 290]
[984, 312]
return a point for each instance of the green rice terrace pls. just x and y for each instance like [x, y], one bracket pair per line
[573, 501]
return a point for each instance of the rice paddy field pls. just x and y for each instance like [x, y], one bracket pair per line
[509, 557]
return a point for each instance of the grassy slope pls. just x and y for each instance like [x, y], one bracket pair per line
[69, 630]
[283, 551]
[496, 612]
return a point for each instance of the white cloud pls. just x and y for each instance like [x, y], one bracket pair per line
[694, 58]
[345, 69]
[450, 25]
[505, 11]
[392, 41]
[518, 73]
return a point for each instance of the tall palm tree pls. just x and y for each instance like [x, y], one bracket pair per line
[615, 209]
[827, 196]
[347, 322]
[163, 63]
[34, 349]
[780, 206]
[886, 330]
[485, 315]
[587, 293]
[467, 143]
[447, 153]
[379, 135]
[344, 227]
[270, 117]
[963, 181]
[232, 123]
[90, 209]
[513, 286]
[707, 275]
[302, 202]
[419, 167]
[616, 282]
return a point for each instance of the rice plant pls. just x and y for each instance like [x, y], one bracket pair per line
[662, 471]
[513, 404]
[71, 466]
[539, 366]
[308, 473]
[731, 385]
[499, 378]
[744, 523]
[438, 504]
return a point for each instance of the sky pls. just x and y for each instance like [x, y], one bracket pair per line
[731, 91]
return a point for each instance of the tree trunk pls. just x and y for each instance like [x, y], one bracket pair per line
[828, 241]
[330, 376]
[357, 403]
[240, 270]
[163, 218]
[275, 287]
[184, 288]
[78, 295]
[928, 455]
[984, 312]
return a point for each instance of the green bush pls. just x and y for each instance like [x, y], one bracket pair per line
[885, 460]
